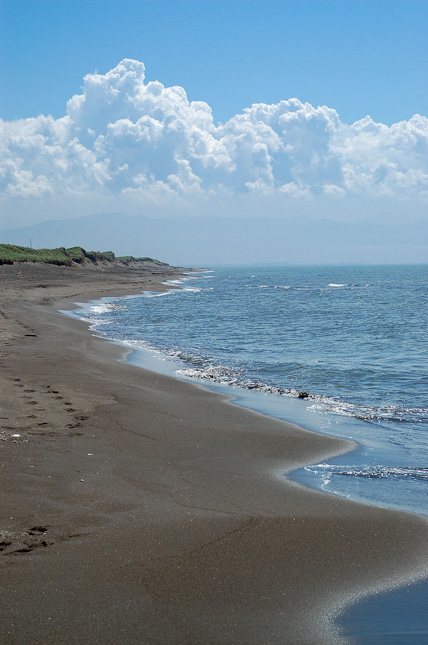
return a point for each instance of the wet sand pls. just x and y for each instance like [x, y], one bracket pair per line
[137, 508]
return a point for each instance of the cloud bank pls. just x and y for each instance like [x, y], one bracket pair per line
[124, 137]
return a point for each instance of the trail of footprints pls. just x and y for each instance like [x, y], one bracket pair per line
[9, 331]
[50, 415]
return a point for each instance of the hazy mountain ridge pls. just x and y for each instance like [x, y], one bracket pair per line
[199, 240]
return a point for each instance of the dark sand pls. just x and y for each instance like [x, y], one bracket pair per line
[137, 508]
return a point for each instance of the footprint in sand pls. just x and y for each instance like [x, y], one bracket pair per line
[37, 529]
[12, 542]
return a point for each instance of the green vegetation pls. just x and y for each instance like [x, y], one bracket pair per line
[10, 253]
[107, 256]
[79, 255]
[129, 259]
[76, 253]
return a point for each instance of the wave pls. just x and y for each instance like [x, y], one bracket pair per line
[175, 284]
[390, 413]
[370, 472]
[269, 286]
[197, 366]
[305, 287]
[156, 294]
[204, 369]
[106, 307]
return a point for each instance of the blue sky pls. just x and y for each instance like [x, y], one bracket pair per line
[360, 57]
[299, 110]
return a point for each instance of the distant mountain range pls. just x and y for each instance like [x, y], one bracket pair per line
[203, 241]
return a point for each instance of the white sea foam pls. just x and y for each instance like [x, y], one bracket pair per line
[156, 294]
[106, 307]
[369, 472]
[101, 308]
[175, 283]
[335, 284]
[213, 373]
[140, 344]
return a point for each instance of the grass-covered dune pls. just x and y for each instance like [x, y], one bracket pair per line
[10, 253]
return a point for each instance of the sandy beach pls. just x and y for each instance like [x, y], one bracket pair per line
[138, 508]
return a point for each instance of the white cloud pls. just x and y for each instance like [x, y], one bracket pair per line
[123, 136]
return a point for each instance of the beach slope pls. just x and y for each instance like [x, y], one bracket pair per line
[137, 508]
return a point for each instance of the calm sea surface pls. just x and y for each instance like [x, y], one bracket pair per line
[352, 341]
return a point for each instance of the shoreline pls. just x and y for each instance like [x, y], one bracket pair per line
[164, 519]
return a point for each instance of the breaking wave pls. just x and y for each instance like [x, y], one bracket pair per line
[370, 472]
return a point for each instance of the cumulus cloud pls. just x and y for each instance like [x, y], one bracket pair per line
[125, 136]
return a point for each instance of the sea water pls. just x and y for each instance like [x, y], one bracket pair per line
[341, 350]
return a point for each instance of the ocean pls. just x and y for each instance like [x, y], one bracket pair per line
[341, 350]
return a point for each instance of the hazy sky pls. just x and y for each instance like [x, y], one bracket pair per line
[315, 109]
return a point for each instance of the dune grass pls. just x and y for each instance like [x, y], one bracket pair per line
[129, 259]
[10, 253]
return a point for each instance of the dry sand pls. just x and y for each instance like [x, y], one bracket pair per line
[137, 508]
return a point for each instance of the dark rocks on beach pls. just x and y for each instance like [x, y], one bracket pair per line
[302, 395]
